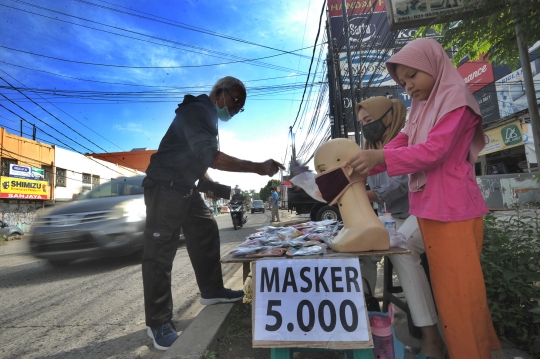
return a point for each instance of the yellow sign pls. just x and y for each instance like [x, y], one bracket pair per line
[500, 138]
[22, 188]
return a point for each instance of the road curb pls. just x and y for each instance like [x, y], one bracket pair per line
[201, 334]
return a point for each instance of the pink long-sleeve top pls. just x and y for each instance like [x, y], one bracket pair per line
[451, 192]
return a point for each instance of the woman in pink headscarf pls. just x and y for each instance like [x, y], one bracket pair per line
[437, 148]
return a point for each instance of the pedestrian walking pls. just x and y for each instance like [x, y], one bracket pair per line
[274, 205]
[438, 148]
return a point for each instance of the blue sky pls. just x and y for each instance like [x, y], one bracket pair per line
[94, 100]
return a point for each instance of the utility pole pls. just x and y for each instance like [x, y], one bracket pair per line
[529, 89]
[357, 137]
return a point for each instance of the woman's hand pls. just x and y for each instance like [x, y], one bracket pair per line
[365, 160]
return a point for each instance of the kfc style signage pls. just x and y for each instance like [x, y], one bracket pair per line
[21, 188]
[476, 74]
[355, 7]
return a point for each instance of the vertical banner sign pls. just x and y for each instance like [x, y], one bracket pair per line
[317, 303]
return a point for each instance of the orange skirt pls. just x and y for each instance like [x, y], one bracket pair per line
[453, 250]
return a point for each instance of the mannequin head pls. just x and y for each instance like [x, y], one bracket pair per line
[336, 153]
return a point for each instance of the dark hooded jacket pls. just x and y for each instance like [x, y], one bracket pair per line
[189, 147]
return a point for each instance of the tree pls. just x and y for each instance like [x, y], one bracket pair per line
[491, 30]
[266, 192]
[253, 194]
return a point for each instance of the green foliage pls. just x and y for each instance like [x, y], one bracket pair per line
[491, 30]
[266, 192]
[511, 264]
[537, 178]
[210, 355]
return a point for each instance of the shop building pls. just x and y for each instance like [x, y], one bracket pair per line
[26, 178]
[76, 173]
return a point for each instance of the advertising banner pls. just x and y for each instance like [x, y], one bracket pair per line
[24, 188]
[500, 138]
[511, 90]
[487, 99]
[476, 74]
[26, 172]
[371, 64]
[355, 7]
[404, 14]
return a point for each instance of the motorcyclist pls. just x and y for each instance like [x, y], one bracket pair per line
[238, 196]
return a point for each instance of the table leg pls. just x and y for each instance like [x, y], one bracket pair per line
[246, 268]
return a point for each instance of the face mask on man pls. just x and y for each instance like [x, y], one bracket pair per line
[223, 113]
[373, 131]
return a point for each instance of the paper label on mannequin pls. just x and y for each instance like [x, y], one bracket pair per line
[309, 300]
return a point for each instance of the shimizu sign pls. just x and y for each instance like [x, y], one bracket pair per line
[404, 14]
[309, 303]
[22, 188]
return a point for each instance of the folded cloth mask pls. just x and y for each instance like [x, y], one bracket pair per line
[333, 183]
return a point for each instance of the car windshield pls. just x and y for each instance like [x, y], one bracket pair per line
[117, 187]
[257, 203]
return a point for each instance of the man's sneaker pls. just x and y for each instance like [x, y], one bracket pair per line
[224, 295]
[163, 335]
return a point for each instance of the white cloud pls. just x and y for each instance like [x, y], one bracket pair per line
[256, 148]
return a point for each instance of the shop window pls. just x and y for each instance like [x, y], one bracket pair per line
[60, 177]
[47, 174]
[5, 165]
[95, 180]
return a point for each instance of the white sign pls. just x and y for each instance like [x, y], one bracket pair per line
[26, 172]
[310, 300]
[404, 14]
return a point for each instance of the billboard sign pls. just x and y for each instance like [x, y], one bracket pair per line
[22, 188]
[476, 74]
[403, 14]
[355, 7]
[487, 99]
[26, 172]
[511, 90]
[371, 64]
[503, 137]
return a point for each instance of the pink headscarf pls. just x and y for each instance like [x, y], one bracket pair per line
[449, 93]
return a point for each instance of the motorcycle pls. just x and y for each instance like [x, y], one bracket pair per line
[237, 214]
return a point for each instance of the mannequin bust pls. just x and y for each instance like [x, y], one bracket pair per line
[362, 230]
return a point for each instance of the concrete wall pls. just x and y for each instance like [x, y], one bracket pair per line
[19, 212]
[501, 191]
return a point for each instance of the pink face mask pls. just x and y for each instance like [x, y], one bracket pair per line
[333, 183]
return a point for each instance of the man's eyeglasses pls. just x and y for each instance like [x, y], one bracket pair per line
[236, 101]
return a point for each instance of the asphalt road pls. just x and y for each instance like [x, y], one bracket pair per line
[92, 308]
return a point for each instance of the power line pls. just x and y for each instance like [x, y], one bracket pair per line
[187, 27]
[184, 47]
[311, 63]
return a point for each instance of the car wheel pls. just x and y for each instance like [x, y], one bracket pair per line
[328, 212]
[14, 236]
[263, 210]
[252, 211]
[59, 262]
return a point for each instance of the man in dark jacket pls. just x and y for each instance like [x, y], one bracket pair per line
[185, 153]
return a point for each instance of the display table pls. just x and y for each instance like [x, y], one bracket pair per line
[246, 261]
